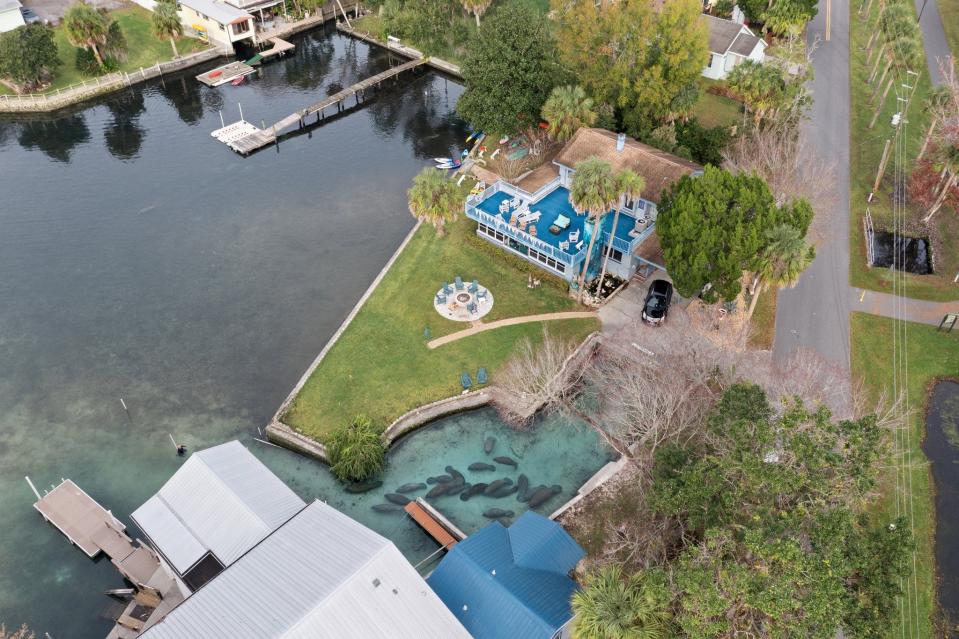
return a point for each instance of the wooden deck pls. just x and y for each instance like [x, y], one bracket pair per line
[437, 526]
[226, 73]
[253, 138]
[85, 523]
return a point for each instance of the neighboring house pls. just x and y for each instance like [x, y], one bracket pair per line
[544, 229]
[10, 15]
[730, 43]
[320, 575]
[219, 504]
[511, 582]
[222, 23]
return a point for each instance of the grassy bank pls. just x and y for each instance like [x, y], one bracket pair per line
[381, 366]
[865, 151]
[762, 332]
[143, 48]
[931, 355]
[715, 110]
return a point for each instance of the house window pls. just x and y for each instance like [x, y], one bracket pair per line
[221, 27]
[614, 254]
[238, 29]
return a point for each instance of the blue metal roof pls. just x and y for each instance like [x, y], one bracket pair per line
[505, 583]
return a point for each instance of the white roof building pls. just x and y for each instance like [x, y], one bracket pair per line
[321, 575]
[730, 44]
[10, 15]
[218, 505]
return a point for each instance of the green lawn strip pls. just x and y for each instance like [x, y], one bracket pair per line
[381, 366]
[143, 48]
[865, 152]
[931, 355]
[949, 12]
[762, 332]
[715, 110]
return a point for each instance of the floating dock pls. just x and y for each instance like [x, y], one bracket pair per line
[280, 48]
[434, 523]
[245, 138]
[226, 73]
[80, 518]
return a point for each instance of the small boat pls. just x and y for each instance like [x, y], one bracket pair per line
[442, 160]
[446, 167]
[238, 81]
[216, 74]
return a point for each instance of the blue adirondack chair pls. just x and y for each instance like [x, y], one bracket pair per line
[466, 381]
[481, 294]
[441, 298]
[474, 287]
[471, 307]
[481, 376]
[459, 283]
[446, 288]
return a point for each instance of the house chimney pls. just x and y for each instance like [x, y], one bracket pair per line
[738, 16]
[620, 142]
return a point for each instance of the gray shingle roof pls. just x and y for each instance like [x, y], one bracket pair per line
[744, 44]
[319, 576]
[728, 36]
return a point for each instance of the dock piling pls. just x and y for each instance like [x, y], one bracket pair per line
[32, 487]
[241, 110]
[222, 123]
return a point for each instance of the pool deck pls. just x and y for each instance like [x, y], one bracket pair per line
[551, 206]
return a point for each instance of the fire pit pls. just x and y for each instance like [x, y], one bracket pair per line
[463, 298]
[463, 305]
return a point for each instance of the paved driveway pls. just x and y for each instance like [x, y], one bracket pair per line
[815, 314]
[52, 10]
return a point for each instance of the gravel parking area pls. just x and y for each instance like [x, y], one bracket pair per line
[52, 10]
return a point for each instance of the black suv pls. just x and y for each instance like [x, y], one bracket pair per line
[657, 302]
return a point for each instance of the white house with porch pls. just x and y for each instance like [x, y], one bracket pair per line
[730, 44]
[535, 220]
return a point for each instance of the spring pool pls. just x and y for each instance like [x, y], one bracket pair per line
[555, 450]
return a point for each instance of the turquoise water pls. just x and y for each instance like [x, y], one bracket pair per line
[555, 450]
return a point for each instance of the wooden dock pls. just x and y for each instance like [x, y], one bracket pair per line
[434, 523]
[253, 138]
[226, 73]
[85, 523]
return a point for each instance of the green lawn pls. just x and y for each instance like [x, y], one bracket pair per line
[715, 110]
[143, 49]
[931, 355]
[865, 151]
[763, 329]
[381, 366]
[949, 11]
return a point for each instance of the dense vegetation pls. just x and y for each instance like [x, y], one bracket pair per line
[28, 55]
[762, 512]
[356, 450]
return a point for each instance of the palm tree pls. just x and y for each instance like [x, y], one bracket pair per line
[611, 605]
[477, 8]
[761, 86]
[567, 110]
[630, 187]
[593, 192]
[86, 28]
[905, 54]
[166, 23]
[786, 256]
[433, 199]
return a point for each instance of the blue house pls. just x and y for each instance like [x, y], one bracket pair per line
[506, 583]
[534, 219]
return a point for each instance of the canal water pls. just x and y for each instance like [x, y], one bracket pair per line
[141, 259]
[941, 446]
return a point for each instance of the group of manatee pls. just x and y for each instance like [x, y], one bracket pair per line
[454, 483]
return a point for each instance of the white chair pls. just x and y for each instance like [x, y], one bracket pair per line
[579, 245]
[574, 236]
[504, 206]
[514, 202]
[564, 246]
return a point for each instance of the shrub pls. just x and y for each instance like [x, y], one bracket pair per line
[356, 451]
[705, 145]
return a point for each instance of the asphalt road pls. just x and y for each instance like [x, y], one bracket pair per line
[933, 37]
[815, 314]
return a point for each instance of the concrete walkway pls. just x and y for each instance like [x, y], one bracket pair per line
[480, 327]
[933, 37]
[884, 304]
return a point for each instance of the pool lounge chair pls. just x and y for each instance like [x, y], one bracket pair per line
[561, 223]
[459, 283]
[481, 376]
[466, 381]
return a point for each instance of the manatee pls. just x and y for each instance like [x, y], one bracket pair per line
[542, 495]
[506, 461]
[457, 488]
[437, 490]
[474, 489]
[505, 491]
[387, 508]
[397, 499]
[363, 486]
[431, 480]
[496, 485]
[482, 466]
[493, 513]
[443, 479]
[489, 444]
[523, 484]
[455, 474]
[410, 488]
